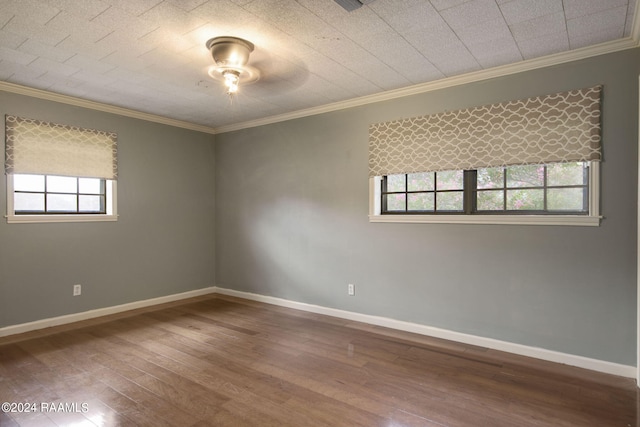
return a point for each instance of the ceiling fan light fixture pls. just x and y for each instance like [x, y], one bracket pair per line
[231, 55]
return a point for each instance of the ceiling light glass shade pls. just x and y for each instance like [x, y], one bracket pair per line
[231, 79]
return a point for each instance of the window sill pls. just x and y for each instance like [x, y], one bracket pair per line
[25, 219]
[573, 220]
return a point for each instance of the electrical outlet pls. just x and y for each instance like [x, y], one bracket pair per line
[351, 289]
[77, 290]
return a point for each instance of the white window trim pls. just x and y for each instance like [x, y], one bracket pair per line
[111, 215]
[591, 220]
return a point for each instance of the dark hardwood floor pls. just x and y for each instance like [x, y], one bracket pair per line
[220, 361]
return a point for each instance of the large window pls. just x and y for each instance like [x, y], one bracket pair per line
[559, 188]
[551, 143]
[552, 194]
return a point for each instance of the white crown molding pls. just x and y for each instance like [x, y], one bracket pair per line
[635, 25]
[107, 108]
[509, 347]
[475, 76]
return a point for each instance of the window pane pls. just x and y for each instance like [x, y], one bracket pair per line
[62, 184]
[491, 200]
[89, 185]
[491, 178]
[28, 202]
[61, 202]
[90, 203]
[450, 180]
[525, 199]
[420, 181]
[525, 176]
[421, 202]
[28, 182]
[566, 174]
[395, 202]
[450, 201]
[569, 199]
[395, 183]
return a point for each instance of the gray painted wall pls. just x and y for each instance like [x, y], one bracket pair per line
[162, 244]
[291, 205]
[291, 222]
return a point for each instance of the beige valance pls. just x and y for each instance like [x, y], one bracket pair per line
[45, 148]
[561, 127]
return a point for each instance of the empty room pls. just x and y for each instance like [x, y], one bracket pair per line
[319, 213]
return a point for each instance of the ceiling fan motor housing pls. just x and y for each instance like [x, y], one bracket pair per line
[230, 51]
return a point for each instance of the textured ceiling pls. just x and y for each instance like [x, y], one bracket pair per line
[150, 55]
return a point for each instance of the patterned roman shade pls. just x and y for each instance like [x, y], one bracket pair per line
[44, 148]
[562, 127]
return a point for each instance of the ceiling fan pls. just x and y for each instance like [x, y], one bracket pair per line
[231, 55]
[277, 74]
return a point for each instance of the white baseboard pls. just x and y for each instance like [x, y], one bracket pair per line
[523, 350]
[91, 314]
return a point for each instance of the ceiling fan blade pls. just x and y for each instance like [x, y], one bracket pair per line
[351, 5]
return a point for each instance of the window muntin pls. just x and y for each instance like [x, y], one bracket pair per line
[557, 189]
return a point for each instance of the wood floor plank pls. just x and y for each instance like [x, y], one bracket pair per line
[6, 421]
[223, 361]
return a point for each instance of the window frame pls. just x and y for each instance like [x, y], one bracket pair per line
[110, 215]
[592, 218]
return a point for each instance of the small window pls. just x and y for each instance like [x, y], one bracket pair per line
[528, 194]
[50, 194]
[49, 168]
[52, 198]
